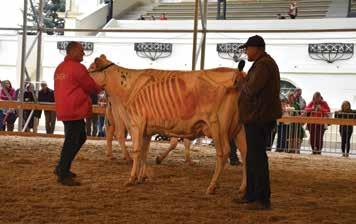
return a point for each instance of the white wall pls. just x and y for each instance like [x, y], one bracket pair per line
[8, 56]
[91, 20]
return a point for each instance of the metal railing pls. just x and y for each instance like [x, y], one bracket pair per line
[300, 132]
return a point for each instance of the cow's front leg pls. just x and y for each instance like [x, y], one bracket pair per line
[242, 146]
[222, 154]
[137, 139]
[172, 145]
[110, 129]
[120, 129]
[144, 151]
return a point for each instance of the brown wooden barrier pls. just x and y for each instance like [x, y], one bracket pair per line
[41, 106]
[44, 135]
[101, 110]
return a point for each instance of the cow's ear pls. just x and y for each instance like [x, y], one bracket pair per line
[103, 56]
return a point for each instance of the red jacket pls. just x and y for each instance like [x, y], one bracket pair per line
[323, 112]
[72, 89]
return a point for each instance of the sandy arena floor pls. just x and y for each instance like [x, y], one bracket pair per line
[305, 189]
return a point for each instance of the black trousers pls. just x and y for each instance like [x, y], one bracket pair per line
[74, 138]
[92, 122]
[50, 117]
[258, 184]
[345, 141]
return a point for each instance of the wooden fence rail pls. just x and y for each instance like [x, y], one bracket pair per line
[101, 110]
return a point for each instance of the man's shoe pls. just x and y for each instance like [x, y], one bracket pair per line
[68, 181]
[257, 205]
[69, 174]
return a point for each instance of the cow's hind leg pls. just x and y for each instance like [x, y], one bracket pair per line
[242, 146]
[172, 145]
[222, 154]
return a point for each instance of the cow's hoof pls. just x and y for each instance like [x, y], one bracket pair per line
[189, 162]
[128, 159]
[242, 190]
[110, 156]
[132, 181]
[158, 160]
[211, 190]
[141, 180]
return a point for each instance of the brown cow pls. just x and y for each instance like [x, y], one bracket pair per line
[186, 104]
[116, 127]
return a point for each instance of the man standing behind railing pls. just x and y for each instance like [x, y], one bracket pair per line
[317, 108]
[299, 99]
[72, 89]
[47, 95]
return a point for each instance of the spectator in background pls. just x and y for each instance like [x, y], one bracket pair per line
[234, 159]
[92, 121]
[163, 17]
[298, 99]
[317, 108]
[279, 16]
[101, 118]
[29, 96]
[9, 115]
[153, 17]
[293, 10]
[220, 15]
[283, 129]
[296, 130]
[345, 130]
[47, 95]
[141, 17]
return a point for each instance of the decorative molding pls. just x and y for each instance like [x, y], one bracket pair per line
[88, 47]
[230, 51]
[331, 52]
[153, 50]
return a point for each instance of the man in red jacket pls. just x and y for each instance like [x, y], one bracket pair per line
[72, 88]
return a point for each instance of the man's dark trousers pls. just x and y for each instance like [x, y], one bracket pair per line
[74, 138]
[258, 184]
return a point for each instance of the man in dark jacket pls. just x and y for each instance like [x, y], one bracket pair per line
[72, 89]
[259, 108]
[47, 95]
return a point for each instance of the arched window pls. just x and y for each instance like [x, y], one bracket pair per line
[286, 87]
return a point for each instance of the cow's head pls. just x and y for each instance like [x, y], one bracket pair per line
[98, 69]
